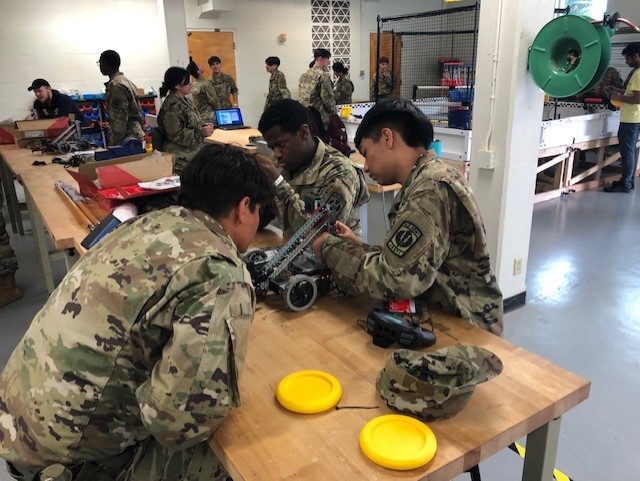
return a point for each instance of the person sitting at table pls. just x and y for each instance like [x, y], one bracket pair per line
[436, 248]
[308, 166]
[182, 128]
[50, 103]
[134, 360]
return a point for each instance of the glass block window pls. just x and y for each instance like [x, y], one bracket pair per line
[330, 28]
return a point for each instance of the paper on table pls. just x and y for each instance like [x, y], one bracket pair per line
[162, 184]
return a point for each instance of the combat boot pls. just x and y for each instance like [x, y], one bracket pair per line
[9, 292]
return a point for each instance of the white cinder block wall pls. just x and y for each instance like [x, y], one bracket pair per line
[61, 40]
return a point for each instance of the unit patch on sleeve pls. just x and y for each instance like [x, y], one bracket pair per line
[404, 238]
[336, 201]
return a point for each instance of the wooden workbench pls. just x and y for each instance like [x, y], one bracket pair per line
[261, 440]
[239, 138]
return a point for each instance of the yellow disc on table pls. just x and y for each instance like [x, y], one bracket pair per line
[308, 392]
[398, 442]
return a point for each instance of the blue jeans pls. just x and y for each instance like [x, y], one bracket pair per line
[627, 138]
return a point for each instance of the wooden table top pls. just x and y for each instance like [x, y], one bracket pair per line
[239, 138]
[262, 440]
[63, 227]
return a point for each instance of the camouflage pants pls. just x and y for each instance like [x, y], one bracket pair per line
[8, 261]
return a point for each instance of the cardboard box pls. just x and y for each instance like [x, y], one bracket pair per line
[7, 133]
[42, 128]
[112, 182]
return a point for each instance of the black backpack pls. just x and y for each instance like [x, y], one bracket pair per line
[335, 135]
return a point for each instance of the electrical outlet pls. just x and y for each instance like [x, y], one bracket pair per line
[517, 266]
[485, 159]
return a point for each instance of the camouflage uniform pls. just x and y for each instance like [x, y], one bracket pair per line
[139, 348]
[277, 88]
[342, 90]
[218, 88]
[182, 128]
[385, 87]
[201, 102]
[611, 78]
[331, 176]
[8, 261]
[316, 91]
[436, 250]
[123, 109]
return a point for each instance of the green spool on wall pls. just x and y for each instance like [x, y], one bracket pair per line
[549, 56]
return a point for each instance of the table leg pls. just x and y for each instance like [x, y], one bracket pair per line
[13, 206]
[39, 237]
[542, 447]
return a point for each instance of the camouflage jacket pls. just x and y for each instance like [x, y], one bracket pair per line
[217, 89]
[435, 250]
[316, 91]
[145, 336]
[343, 89]
[182, 128]
[201, 102]
[331, 176]
[8, 261]
[277, 88]
[123, 109]
[385, 87]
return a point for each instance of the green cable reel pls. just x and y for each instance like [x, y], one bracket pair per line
[553, 63]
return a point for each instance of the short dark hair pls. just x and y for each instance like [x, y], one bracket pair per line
[111, 58]
[214, 59]
[632, 49]
[383, 60]
[219, 177]
[272, 61]
[400, 116]
[339, 67]
[288, 114]
[321, 53]
[173, 77]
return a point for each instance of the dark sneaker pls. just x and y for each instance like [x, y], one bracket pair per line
[617, 187]
[617, 182]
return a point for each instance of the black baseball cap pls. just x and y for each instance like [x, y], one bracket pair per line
[37, 83]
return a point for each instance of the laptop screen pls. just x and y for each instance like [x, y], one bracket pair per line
[229, 117]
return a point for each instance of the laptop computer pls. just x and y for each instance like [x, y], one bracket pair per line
[229, 119]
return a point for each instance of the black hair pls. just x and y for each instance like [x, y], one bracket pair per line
[214, 59]
[632, 49]
[219, 177]
[313, 62]
[400, 116]
[321, 52]
[288, 114]
[173, 77]
[110, 58]
[192, 68]
[272, 61]
[383, 60]
[339, 67]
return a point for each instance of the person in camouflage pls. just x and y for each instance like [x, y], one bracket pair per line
[9, 292]
[183, 129]
[611, 78]
[309, 166]
[134, 360]
[315, 89]
[277, 82]
[436, 248]
[121, 100]
[343, 88]
[219, 87]
[200, 101]
[385, 84]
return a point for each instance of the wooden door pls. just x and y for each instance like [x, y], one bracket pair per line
[203, 45]
[387, 42]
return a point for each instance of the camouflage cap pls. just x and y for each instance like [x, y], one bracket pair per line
[438, 384]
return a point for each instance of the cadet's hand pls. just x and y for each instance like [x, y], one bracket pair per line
[344, 232]
[317, 243]
[267, 165]
[208, 129]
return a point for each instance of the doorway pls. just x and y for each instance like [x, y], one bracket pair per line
[203, 45]
[388, 42]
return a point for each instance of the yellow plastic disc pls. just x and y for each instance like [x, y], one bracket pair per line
[398, 442]
[308, 392]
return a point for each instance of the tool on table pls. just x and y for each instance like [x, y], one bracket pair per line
[77, 203]
[387, 327]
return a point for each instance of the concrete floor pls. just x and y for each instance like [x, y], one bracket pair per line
[582, 313]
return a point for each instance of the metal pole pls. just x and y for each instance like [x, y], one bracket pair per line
[375, 98]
